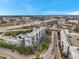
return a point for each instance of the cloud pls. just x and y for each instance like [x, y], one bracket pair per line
[74, 13]
[50, 12]
[18, 12]
[55, 13]
[4, 13]
[61, 13]
[7, 12]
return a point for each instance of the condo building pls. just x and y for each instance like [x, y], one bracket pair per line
[26, 39]
[70, 44]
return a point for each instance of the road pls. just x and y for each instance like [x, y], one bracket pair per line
[51, 50]
[17, 30]
[3, 29]
[57, 49]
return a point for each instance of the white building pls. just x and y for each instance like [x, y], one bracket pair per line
[73, 21]
[26, 39]
[70, 44]
[64, 42]
[10, 39]
[33, 37]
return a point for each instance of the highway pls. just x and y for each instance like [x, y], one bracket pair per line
[3, 29]
[6, 28]
[51, 50]
[17, 30]
[57, 49]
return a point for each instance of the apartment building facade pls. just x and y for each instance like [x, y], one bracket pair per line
[26, 39]
[70, 44]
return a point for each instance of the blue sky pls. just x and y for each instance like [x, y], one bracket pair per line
[39, 7]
